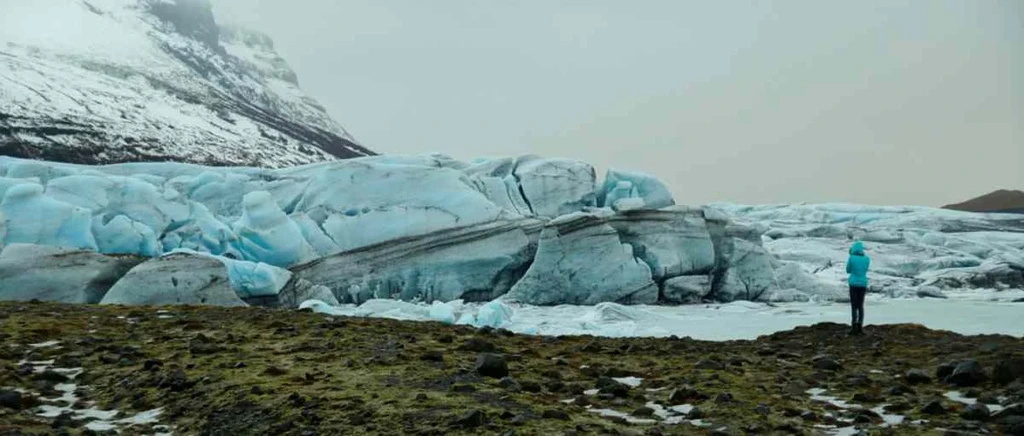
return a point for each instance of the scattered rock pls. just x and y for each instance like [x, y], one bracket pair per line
[917, 376]
[643, 412]
[945, 370]
[50, 376]
[478, 345]
[865, 416]
[510, 384]
[685, 395]
[899, 390]
[1008, 370]
[555, 414]
[152, 364]
[827, 363]
[64, 420]
[967, 373]
[723, 398]
[555, 386]
[531, 386]
[695, 413]
[975, 412]
[809, 416]
[897, 407]
[203, 345]
[433, 356]
[491, 365]
[275, 371]
[864, 397]
[176, 382]
[988, 398]
[763, 409]
[934, 407]
[709, 364]
[607, 385]
[471, 419]
[463, 388]
[1008, 411]
[13, 400]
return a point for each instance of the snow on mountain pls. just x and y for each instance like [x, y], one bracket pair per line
[106, 81]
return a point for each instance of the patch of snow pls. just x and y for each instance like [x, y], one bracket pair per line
[610, 413]
[629, 381]
[46, 344]
[959, 397]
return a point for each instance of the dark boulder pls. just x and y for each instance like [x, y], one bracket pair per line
[967, 373]
[975, 412]
[917, 376]
[491, 365]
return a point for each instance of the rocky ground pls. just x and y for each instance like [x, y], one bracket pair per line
[197, 370]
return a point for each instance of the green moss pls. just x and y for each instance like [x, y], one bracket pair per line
[248, 371]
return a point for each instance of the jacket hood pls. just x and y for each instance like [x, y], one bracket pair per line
[857, 248]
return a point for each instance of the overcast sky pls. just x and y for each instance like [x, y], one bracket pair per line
[883, 101]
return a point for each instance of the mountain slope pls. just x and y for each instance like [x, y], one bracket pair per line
[998, 201]
[106, 81]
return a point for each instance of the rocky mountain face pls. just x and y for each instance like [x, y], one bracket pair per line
[109, 81]
[1003, 200]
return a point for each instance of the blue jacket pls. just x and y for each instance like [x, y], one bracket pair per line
[857, 265]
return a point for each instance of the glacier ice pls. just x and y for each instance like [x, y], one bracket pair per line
[475, 263]
[63, 275]
[493, 314]
[619, 185]
[443, 312]
[530, 185]
[297, 291]
[179, 278]
[266, 233]
[30, 217]
[686, 289]
[581, 260]
[672, 241]
[433, 229]
[121, 235]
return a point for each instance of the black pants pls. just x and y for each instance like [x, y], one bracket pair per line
[857, 304]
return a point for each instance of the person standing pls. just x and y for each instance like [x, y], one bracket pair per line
[857, 267]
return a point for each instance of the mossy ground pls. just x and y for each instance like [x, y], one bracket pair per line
[260, 371]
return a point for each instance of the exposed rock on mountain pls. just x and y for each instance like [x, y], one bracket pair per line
[107, 81]
[1003, 200]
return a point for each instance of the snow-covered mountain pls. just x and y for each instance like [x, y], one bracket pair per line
[106, 81]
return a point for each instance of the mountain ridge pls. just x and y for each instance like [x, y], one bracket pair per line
[112, 81]
[1002, 200]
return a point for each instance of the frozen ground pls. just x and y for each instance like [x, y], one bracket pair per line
[975, 312]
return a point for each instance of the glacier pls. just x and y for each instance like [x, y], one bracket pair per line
[429, 228]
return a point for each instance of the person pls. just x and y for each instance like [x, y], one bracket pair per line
[857, 267]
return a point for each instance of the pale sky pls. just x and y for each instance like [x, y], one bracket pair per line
[880, 101]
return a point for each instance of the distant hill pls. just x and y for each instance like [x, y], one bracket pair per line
[998, 201]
